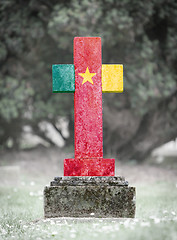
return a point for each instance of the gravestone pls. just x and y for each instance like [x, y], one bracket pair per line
[89, 187]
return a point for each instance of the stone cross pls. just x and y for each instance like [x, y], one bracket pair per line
[88, 78]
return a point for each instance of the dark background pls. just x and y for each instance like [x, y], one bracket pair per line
[141, 35]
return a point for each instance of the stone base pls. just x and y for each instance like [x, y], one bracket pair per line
[106, 197]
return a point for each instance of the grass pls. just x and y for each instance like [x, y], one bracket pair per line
[21, 202]
[21, 216]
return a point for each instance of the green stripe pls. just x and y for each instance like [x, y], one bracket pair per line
[63, 76]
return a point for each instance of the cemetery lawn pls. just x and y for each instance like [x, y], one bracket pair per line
[21, 204]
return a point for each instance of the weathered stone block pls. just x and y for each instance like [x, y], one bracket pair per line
[89, 197]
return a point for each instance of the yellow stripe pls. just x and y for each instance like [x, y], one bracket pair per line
[112, 78]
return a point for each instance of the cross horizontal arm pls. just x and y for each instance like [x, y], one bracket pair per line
[112, 78]
[63, 76]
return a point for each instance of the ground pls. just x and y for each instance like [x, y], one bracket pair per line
[23, 176]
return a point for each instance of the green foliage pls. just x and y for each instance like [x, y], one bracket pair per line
[124, 27]
[36, 34]
[15, 95]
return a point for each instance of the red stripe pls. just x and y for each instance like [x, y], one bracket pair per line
[89, 167]
[88, 99]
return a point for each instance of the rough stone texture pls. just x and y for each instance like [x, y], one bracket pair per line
[85, 181]
[89, 197]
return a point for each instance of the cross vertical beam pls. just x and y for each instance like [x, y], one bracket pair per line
[88, 99]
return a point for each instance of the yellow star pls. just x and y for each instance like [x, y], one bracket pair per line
[87, 76]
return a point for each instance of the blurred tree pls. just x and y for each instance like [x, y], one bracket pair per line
[141, 35]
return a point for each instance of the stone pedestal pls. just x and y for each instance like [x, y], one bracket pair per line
[89, 197]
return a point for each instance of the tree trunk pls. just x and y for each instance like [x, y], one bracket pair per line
[135, 138]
